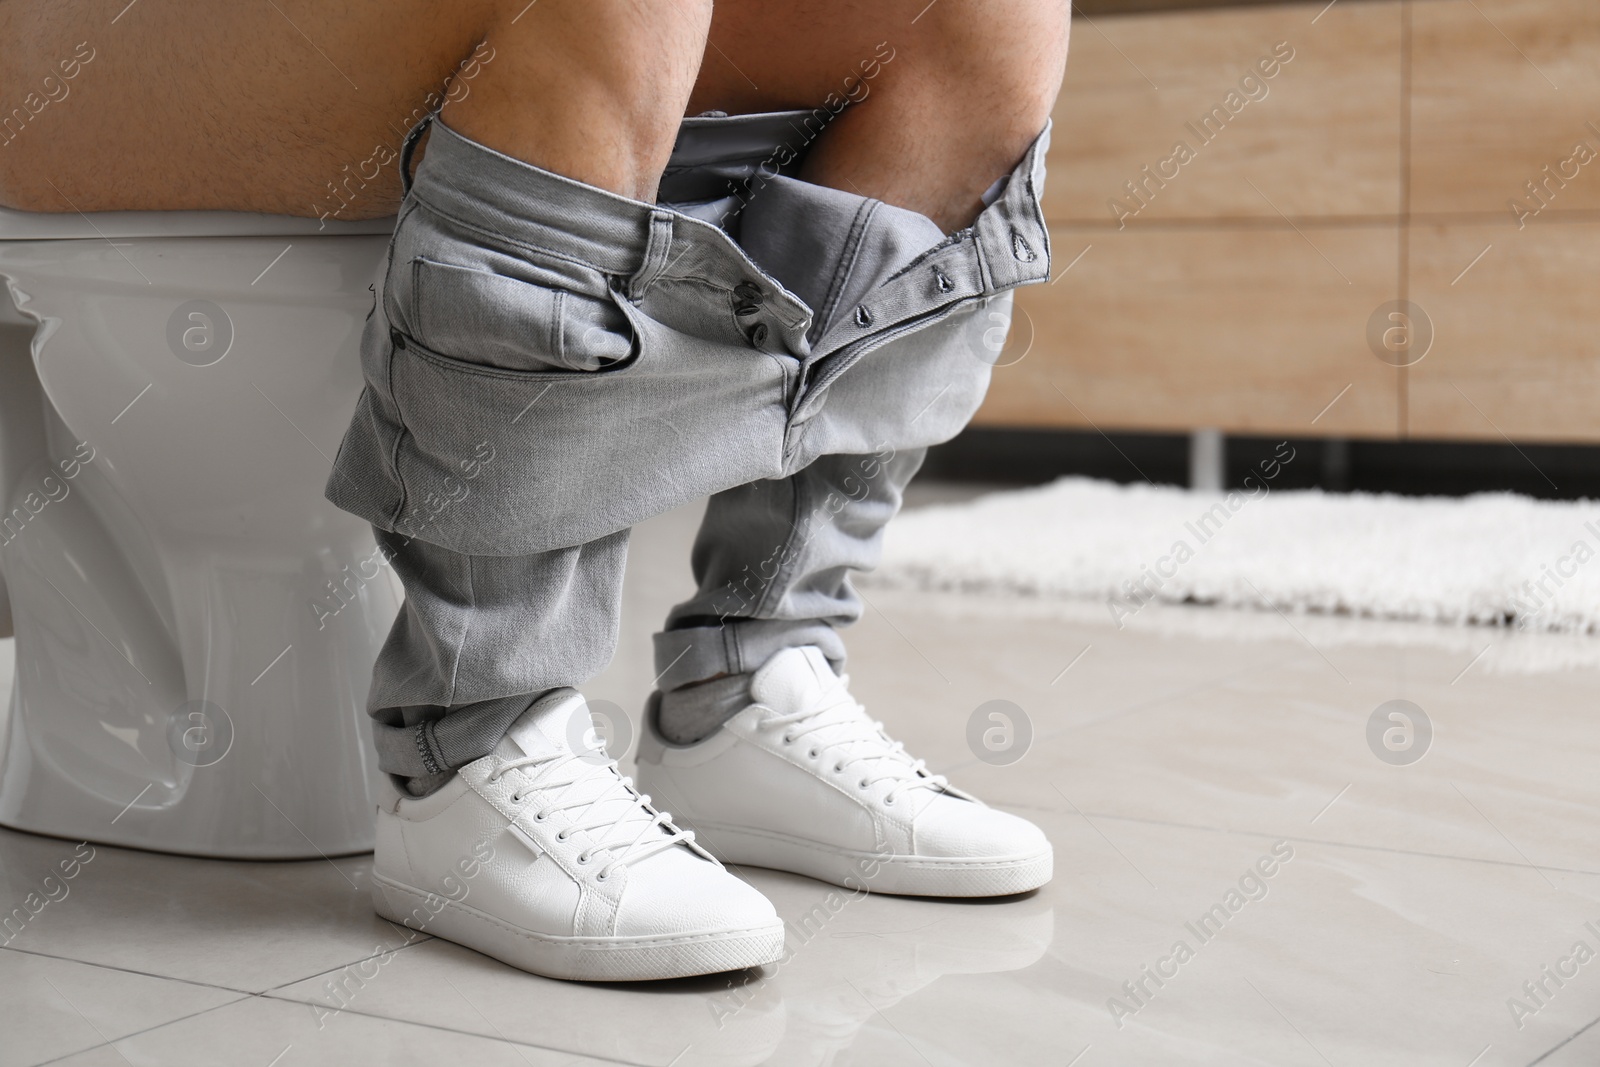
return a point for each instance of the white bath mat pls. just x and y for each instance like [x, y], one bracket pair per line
[1489, 559]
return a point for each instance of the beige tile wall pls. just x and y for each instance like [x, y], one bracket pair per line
[1516, 350]
[1322, 140]
[1490, 111]
[1380, 164]
[1253, 328]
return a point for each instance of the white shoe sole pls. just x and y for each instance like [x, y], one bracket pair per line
[592, 959]
[927, 876]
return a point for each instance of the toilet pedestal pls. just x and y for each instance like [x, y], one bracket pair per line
[195, 624]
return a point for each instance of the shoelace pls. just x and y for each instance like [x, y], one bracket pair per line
[855, 738]
[614, 789]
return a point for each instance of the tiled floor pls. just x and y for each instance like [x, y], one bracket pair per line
[1166, 760]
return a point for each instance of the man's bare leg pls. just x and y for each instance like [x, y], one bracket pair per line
[970, 84]
[289, 108]
[285, 111]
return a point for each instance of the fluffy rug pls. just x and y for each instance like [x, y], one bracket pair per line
[1489, 559]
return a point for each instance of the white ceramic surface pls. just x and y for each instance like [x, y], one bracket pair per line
[195, 623]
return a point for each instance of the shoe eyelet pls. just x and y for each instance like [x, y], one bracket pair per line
[583, 858]
[838, 767]
[813, 754]
[562, 835]
[602, 876]
[538, 816]
[861, 784]
[516, 798]
[788, 740]
[888, 802]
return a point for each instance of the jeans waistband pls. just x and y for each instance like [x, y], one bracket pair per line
[509, 201]
[518, 206]
[526, 205]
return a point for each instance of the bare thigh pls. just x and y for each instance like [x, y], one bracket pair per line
[274, 107]
[944, 96]
[298, 106]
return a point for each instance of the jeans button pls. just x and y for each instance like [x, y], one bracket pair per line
[749, 293]
[758, 334]
[397, 339]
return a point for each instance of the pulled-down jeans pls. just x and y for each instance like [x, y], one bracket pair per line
[548, 363]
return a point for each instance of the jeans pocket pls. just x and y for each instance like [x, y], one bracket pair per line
[508, 323]
[494, 461]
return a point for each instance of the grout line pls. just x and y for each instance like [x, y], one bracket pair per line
[345, 1011]
[1403, 378]
[126, 970]
[424, 939]
[270, 993]
[139, 1033]
[1555, 1048]
[455, 1030]
[1549, 217]
[1299, 231]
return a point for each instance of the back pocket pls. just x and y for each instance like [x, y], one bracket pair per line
[477, 316]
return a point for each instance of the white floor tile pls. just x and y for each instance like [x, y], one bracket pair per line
[56, 1007]
[260, 1032]
[244, 926]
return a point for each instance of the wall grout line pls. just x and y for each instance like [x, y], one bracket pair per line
[1549, 218]
[1403, 378]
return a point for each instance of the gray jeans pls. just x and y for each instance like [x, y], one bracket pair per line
[549, 363]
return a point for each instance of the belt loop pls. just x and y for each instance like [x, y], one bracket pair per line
[409, 147]
[657, 249]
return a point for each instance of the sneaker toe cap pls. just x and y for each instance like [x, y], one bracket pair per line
[678, 892]
[959, 829]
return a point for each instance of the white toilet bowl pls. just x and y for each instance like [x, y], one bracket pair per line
[195, 624]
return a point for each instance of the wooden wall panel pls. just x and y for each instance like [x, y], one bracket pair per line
[1323, 140]
[1515, 352]
[1210, 308]
[1250, 329]
[1499, 90]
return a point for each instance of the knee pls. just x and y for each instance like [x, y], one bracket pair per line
[594, 91]
[993, 68]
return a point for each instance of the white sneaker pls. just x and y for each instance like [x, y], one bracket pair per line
[541, 855]
[802, 780]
